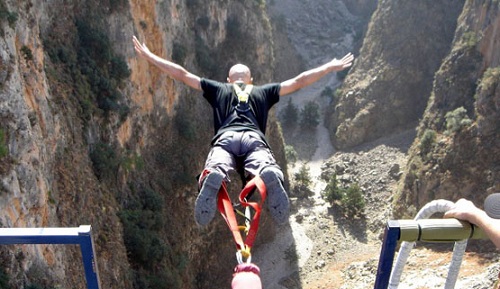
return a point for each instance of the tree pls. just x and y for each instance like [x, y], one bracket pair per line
[309, 116]
[333, 193]
[349, 199]
[290, 154]
[456, 120]
[303, 182]
[289, 115]
[353, 201]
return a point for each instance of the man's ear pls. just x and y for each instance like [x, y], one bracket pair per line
[228, 80]
[251, 79]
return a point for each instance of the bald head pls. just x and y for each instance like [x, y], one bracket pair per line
[240, 73]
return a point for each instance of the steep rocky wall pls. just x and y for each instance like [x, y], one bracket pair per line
[47, 179]
[388, 88]
[455, 157]
[82, 141]
[317, 31]
[433, 66]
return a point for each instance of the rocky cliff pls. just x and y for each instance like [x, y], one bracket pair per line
[89, 134]
[388, 87]
[433, 66]
[457, 150]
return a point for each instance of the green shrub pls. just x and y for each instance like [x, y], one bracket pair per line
[290, 115]
[163, 279]
[5, 14]
[90, 66]
[332, 192]
[234, 28]
[327, 92]
[470, 39]
[341, 75]
[26, 51]
[132, 161]
[104, 161]
[155, 263]
[349, 199]
[185, 124]
[309, 116]
[290, 154]
[303, 176]
[427, 141]
[303, 182]
[203, 57]
[456, 120]
[203, 22]
[12, 18]
[142, 219]
[490, 78]
[3, 146]
[118, 69]
[102, 69]
[93, 42]
[353, 201]
[4, 279]
[179, 52]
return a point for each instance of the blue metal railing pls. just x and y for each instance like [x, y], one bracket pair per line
[78, 235]
[426, 230]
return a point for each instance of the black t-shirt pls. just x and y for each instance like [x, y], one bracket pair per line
[224, 100]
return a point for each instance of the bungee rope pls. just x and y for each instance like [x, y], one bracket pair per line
[436, 206]
[251, 226]
[247, 214]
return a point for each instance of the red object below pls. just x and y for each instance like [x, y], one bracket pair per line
[246, 276]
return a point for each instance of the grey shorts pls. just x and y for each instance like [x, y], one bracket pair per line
[244, 145]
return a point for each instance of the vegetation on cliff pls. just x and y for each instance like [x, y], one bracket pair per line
[88, 136]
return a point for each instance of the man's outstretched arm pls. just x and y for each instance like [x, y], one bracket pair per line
[172, 69]
[311, 76]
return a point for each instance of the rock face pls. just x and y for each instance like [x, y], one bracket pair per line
[89, 134]
[388, 87]
[317, 30]
[456, 153]
[434, 67]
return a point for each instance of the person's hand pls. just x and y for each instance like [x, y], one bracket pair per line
[343, 63]
[464, 210]
[141, 49]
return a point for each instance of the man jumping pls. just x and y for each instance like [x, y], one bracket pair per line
[240, 112]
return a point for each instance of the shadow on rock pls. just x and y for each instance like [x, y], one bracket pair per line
[353, 225]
